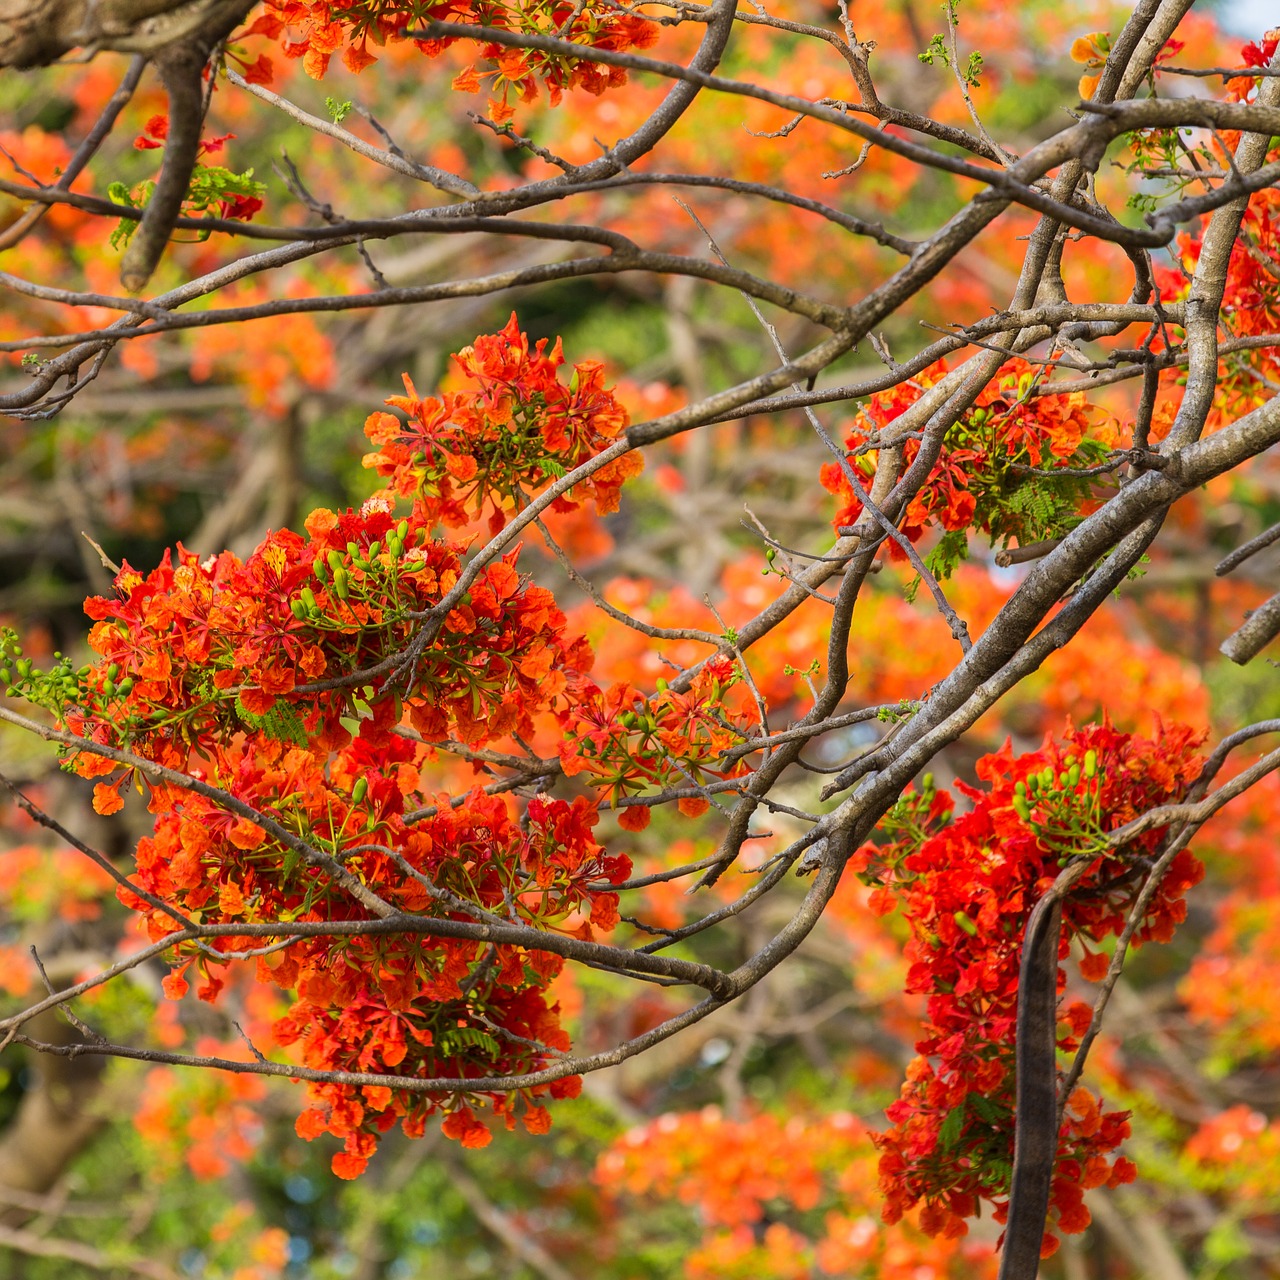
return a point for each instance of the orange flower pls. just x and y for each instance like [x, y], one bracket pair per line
[106, 798]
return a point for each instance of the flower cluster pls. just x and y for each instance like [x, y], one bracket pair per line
[300, 691]
[994, 473]
[213, 191]
[628, 742]
[509, 429]
[967, 887]
[198, 651]
[314, 30]
[1250, 303]
[425, 1004]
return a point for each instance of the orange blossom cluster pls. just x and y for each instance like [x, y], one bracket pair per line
[288, 682]
[314, 30]
[967, 886]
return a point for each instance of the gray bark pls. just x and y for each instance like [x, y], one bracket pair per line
[34, 33]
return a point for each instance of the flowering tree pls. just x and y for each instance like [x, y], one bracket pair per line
[393, 784]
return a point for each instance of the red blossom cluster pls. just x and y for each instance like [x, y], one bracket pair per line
[301, 684]
[424, 1005]
[1250, 303]
[199, 651]
[967, 886]
[628, 742]
[983, 478]
[315, 30]
[509, 429]
[212, 190]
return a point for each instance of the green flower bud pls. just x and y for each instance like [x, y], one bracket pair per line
[402, 530]
[360, 790]
[1073, 775]
[320, 568]
[969, 926]
[298, 609]
[309, 600]
[1090, 764]
[340, 583]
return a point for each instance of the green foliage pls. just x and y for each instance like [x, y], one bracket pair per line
[137, 197]
[213, 191]
[937, 49]
[281, 723]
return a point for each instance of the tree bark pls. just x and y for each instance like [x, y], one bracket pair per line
[34, 33]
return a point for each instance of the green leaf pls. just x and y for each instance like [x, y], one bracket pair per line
[952, 1128]
[118, 193]
[989, 1111]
